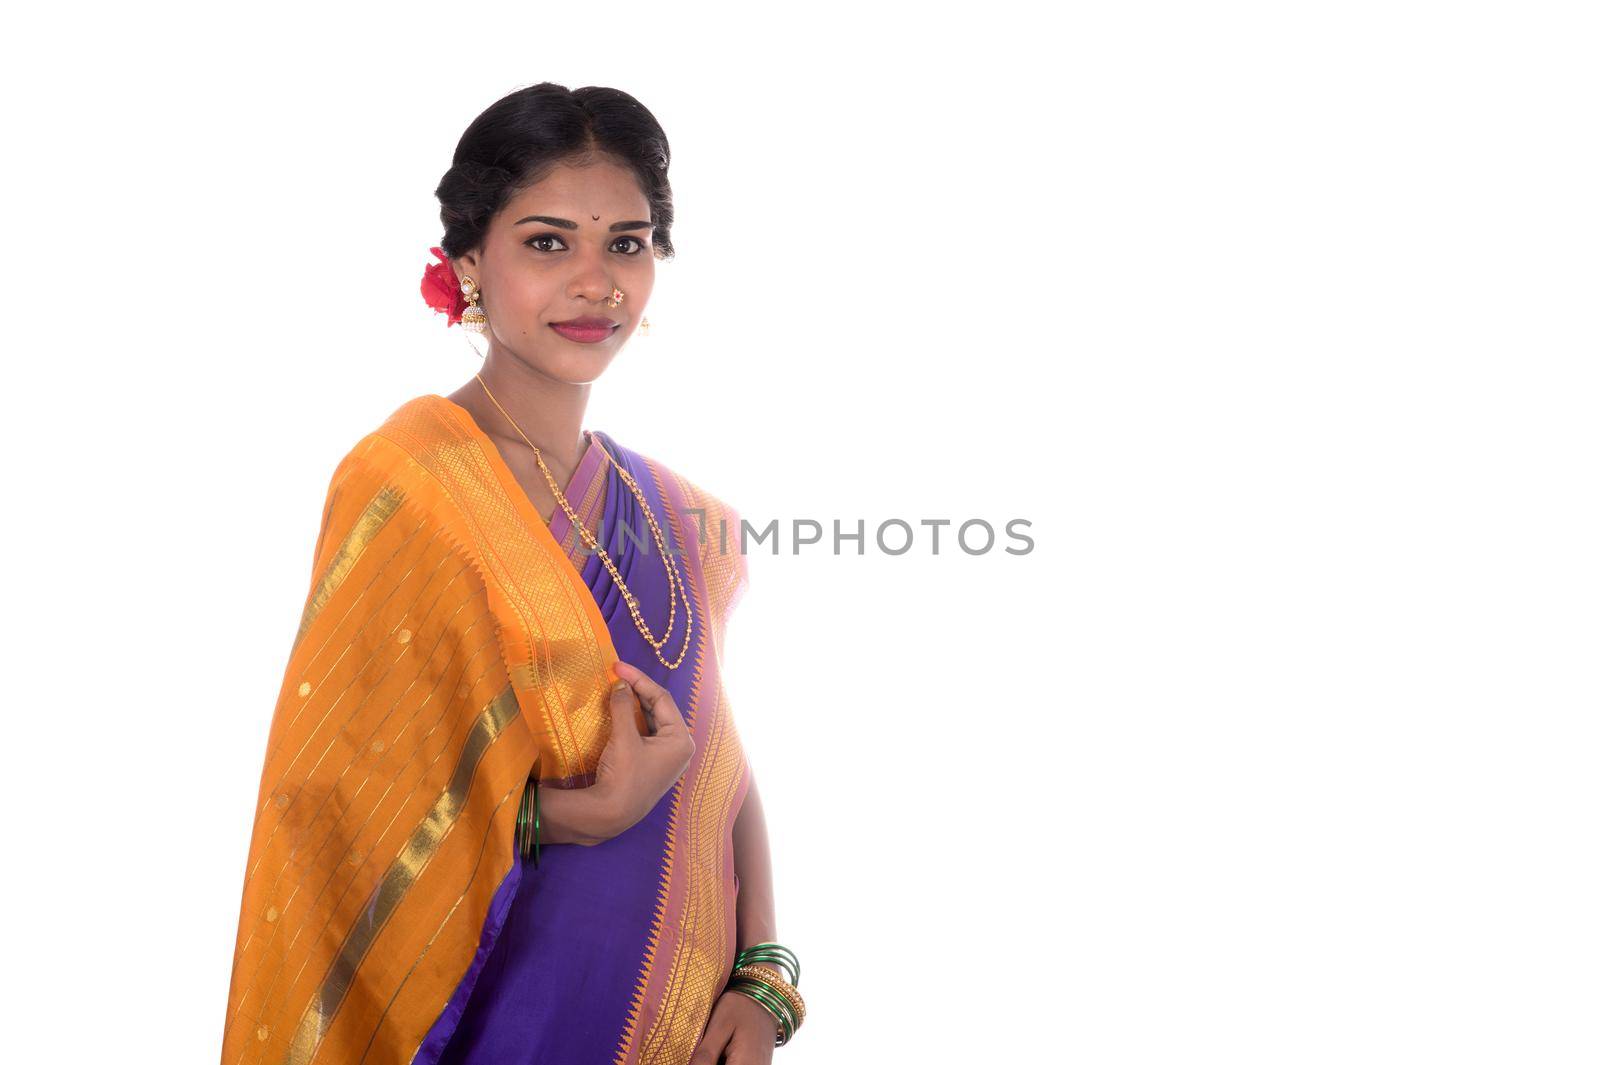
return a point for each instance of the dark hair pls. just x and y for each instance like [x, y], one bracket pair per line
[521, 137]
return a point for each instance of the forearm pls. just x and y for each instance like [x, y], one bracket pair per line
[752, 862]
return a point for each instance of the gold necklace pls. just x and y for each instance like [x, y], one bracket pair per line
[675, 586]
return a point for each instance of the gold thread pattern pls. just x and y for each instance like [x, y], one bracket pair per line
[401, 875]
[382, 829]
[371, 522]
[692, 944]
[448, 644]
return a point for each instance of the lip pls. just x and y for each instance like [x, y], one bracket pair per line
[587, 330]
[588, 322]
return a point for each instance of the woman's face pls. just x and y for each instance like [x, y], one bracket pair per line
[553, 254]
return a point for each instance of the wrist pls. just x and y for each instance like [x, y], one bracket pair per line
[611, 813]
[774, 994]
[584, 816]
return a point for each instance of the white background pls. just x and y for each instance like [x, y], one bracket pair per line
[1277, 321]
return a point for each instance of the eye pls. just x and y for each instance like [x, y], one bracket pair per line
[533, 242]
[536, 242]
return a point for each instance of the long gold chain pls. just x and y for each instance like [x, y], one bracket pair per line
[675, 586]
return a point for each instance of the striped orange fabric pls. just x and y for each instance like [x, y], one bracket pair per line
[448, 647]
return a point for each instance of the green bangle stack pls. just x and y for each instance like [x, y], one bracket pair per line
[777, 996]
[527, 834]
[772, 953]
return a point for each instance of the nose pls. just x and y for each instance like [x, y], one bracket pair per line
[590, 280]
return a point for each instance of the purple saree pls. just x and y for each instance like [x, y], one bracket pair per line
[615, 954]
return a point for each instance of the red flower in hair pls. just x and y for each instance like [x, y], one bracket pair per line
[441, 288]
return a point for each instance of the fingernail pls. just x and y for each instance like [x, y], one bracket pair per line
[620, 686]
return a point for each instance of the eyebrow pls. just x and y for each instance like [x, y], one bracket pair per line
[616, 227]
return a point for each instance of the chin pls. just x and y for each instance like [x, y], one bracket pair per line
[573, 367]
[574, 371]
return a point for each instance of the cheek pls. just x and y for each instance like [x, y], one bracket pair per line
[639, 286]
[524, 297]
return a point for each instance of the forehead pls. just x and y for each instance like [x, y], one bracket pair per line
[581, 192]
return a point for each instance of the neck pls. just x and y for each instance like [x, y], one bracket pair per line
[549, 412]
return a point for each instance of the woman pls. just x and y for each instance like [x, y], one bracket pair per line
[505, 815]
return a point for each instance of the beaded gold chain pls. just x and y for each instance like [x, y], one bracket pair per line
[675, 586]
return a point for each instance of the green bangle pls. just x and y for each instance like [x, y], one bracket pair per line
[775, 953]
[770, 1000]
[527, 831]
[776, 1004]
[523, 806]
[771, 952]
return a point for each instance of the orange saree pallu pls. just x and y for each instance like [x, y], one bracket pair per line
[452, 645]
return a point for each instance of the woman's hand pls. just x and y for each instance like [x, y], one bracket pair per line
[634, 770]
[740, 1028]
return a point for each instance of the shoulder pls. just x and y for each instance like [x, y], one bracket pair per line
[427, 428]
[417, 427]
[393, 466]
[426, 438]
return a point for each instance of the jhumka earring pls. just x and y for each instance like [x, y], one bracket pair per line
[644, 326]
[473, 320]
[474, 323]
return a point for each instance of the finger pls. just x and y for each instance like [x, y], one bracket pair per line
[709, 1052]
[649, 691]
[624, 725]
[668, 719]
[660, 706]
[743, 1051]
